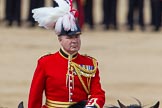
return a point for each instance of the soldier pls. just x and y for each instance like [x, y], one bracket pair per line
[110, 14]
[152, 11]
[88, 13]
[135, 6]
[13, 12]
[34, 4]
[156, 14]
[66, 76]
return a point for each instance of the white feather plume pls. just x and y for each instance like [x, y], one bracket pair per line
[66, 23]
[48, 16]
[58, 26]
[72, 22]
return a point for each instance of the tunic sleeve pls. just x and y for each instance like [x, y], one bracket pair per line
[97, 94]
[37, 87]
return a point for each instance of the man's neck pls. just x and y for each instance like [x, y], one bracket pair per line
[66, 54]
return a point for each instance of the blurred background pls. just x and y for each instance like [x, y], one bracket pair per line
[125, 36]
[110, 14]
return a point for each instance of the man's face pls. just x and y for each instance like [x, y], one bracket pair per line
[70, 44]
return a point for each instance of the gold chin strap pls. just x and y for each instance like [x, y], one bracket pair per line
[85, 72]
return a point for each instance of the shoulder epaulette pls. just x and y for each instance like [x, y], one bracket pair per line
[89, 56]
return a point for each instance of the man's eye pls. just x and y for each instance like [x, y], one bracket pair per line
[68, 38]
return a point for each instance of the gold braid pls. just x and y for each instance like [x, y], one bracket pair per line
[85, 72]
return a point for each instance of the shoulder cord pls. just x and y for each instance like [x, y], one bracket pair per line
[84, 70]
[91, 73]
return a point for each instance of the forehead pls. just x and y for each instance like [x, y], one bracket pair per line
[72, 36]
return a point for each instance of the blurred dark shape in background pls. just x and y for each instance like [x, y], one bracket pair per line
[109, 13]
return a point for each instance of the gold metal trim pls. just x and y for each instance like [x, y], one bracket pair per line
[58, 104]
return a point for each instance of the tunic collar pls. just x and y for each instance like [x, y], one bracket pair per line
[67, 55]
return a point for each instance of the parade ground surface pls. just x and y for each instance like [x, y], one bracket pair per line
[130, 63]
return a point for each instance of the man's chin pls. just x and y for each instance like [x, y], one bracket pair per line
[74, 50]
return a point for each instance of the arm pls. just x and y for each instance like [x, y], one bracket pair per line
[97, 95]
[37, 87]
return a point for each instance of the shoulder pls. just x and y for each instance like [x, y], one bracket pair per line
[45, 57]
[88, 57]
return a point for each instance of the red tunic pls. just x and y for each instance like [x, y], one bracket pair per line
[50, 76]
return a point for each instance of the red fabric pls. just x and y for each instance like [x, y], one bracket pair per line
[50, 75]
[81, 13]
